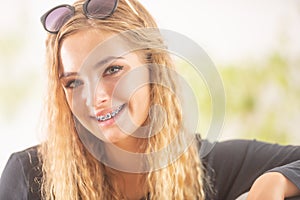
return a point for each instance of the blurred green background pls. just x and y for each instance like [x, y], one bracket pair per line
[262, 99]
[255, 46]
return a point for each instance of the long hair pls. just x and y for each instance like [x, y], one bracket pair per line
[70, 171]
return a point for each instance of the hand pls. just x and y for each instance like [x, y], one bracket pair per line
[272, 186]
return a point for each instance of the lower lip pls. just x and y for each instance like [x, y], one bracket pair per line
[110, 121]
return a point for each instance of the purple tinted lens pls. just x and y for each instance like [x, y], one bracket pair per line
[100, 8]
[57, 18]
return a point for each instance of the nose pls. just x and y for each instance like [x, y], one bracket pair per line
[101, 95]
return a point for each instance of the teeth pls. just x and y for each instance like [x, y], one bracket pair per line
[110, 114]
[101, 118]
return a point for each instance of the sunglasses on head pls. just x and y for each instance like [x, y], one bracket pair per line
[55, 18]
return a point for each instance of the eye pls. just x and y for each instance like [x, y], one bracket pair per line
[112, 70]
[73, 84]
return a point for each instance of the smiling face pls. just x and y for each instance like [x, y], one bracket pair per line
[108, 94]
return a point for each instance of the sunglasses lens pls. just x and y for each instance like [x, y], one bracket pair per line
[57, 18]
[100, 8]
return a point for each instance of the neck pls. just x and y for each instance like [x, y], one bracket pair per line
[130, 160]
[131, 185]
[131, 144]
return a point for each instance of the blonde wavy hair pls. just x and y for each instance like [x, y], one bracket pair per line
[70, 171]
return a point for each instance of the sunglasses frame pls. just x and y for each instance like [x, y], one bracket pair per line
[88, 15]
[72, 9]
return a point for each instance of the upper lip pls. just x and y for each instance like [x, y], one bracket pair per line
[105, 111]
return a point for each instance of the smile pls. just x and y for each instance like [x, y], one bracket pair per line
[110, 115]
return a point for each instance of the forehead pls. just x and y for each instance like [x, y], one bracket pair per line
[76, 48]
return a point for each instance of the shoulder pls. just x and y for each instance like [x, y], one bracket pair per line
[25, 157]
[243, 147]
[22, 175]
[213, 150]
[27, 160]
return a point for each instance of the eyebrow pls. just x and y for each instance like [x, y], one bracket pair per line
[100, 63]
[107, 60]
[67, 74]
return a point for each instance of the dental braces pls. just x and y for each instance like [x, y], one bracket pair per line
[110, 114]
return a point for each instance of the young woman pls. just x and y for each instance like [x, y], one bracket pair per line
[106, 138]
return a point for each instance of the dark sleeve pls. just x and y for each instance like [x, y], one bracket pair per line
[20, 179]
[13, 184]
[290, 171]
[234, 165]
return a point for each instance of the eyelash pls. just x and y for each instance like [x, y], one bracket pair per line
[77, 83]
[113, 67]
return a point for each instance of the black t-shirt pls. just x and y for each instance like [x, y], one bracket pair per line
[234, 165]
[231, 165]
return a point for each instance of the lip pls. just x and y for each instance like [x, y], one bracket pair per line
[104, 112]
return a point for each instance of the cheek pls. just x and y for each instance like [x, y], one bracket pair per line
[68, 98]
[139, 104]
[144, 96]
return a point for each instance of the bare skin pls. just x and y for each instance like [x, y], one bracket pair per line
[272, 186]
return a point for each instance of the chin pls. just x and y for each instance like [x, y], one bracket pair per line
[114, 137]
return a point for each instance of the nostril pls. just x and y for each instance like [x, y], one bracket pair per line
[101, 95]
[99, 101]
